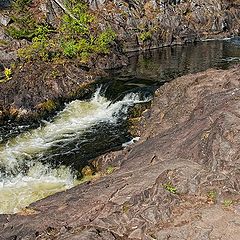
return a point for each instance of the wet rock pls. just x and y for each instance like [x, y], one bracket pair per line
[42, 87]
[175, 183]
[114, 60]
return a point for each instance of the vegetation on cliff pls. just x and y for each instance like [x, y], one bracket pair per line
[78, 34]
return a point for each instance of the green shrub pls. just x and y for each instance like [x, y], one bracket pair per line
[227, 202]
[80, 39]
[104, 40]
[23, 26]
[78, 24]
[212, 196]
[79, 34]
[70, 48]
[144, 36]
[42, 32]
[40, 47]
[110, 169]
[23, 21]
[19, 33]
[170, 188]
[19, 5]
[84, 57]
[7, 75]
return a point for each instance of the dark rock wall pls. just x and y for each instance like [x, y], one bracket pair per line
[143, 24]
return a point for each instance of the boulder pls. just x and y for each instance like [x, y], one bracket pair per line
[41, 83]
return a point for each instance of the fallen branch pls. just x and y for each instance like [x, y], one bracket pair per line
[64, 9]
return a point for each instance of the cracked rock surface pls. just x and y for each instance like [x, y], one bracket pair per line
[180, 181]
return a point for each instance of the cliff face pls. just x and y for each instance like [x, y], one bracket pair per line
[140, 24]
[143, 24]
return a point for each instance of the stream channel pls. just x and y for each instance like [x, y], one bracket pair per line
[37, 162]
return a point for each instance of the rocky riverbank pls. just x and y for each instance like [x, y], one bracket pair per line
[151, 24]
[180, 181]
[37, 89]
[139, 25]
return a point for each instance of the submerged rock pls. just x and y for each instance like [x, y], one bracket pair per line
[180, 181]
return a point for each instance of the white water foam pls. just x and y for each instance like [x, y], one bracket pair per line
[214, 39]
[132, 141]
[231, 59]
[18, 189]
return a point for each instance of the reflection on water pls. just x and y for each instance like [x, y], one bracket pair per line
[165, 64]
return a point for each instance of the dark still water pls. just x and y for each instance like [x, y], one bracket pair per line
[165, 64]
[37, 162]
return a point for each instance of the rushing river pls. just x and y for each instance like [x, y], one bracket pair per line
[26, 170]
[39, 162]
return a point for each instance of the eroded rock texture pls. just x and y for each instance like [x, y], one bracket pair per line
[144, 24]
[181, 181]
